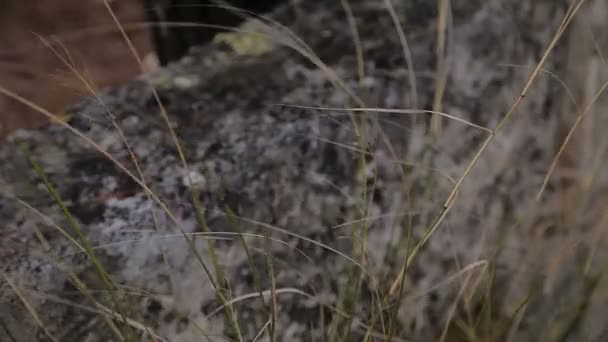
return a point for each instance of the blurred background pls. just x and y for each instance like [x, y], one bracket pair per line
[82, 27]
[83, 31]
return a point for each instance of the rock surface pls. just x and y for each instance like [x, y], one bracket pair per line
[296, 175]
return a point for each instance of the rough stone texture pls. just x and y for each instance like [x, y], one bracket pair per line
[296, 174]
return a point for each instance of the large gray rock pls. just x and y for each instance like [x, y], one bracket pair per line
[297, 175]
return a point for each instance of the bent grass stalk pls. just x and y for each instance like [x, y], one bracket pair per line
[574, 7]
[81, 286]
[7, 331]
[139, 181]
[101, 273]
[222, 287]
[71, 65]
[30, 308]
[451, 198]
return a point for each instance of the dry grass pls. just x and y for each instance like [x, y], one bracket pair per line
[471, 315]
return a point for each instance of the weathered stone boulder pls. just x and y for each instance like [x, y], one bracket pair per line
[302, 177]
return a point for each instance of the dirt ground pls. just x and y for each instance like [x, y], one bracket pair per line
[34, 71]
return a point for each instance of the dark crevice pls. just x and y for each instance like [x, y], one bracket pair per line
[171, 42]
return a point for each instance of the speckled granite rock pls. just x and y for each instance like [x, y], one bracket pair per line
[290, 172]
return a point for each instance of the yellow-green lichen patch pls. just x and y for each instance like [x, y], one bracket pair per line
[248, 41]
